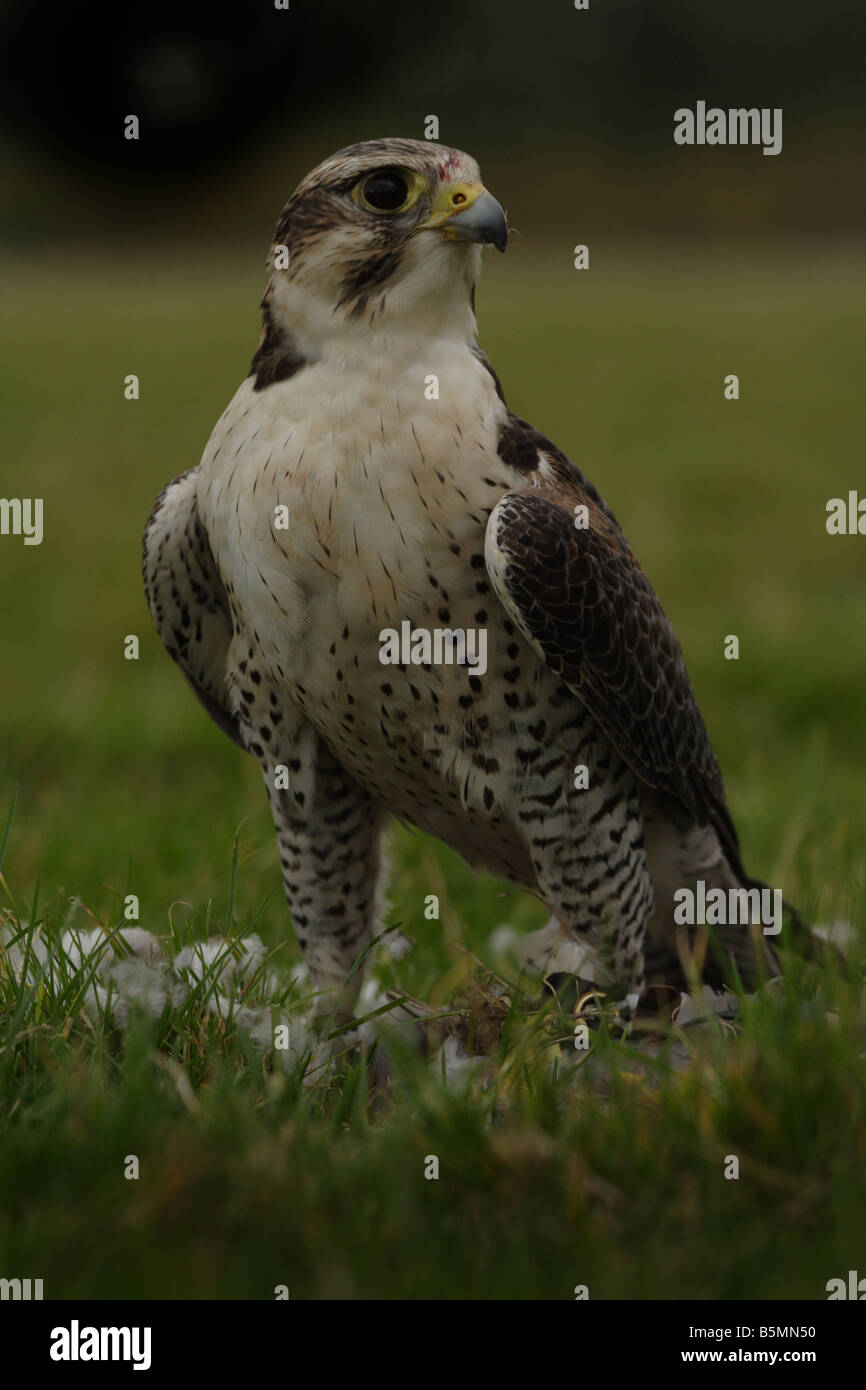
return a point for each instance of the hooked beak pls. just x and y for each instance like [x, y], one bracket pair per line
[467, 212]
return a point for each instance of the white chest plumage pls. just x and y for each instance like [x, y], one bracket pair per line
[366, 463]
[379, 480]
[388, 492]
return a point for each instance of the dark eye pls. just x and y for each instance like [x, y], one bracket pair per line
[386, 190]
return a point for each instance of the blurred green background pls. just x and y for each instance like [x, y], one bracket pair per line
[148, 258]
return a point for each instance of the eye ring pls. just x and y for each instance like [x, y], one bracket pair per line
[384, 190]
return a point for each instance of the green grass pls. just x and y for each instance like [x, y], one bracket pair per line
[250, 1179]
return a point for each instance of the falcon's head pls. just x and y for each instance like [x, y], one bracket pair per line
[382, 238]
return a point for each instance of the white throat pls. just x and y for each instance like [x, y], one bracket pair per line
[428, 300]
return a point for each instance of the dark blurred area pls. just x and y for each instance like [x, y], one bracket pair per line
[233, 98]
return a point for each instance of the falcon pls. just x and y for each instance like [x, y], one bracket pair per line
[368, 477]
